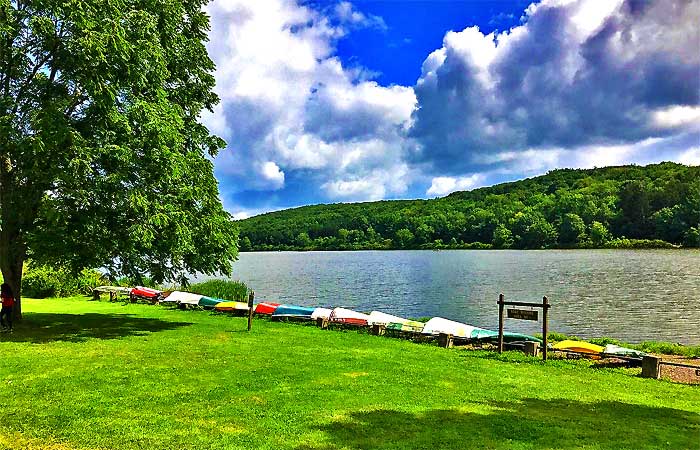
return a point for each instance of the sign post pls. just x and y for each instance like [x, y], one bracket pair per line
[251, 297]
[523, 314]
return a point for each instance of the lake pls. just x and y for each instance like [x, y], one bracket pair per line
[631, 295]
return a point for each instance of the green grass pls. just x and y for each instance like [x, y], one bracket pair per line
[224, 289]
[78, 374]
[665, 348]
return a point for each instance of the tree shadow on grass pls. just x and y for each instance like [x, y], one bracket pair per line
[530, 423]
[39, 328]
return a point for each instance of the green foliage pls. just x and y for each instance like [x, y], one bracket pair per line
[617, 207]
[572, 230]
[45, 281]
[103, 161]
[599, 234]
[223, 289]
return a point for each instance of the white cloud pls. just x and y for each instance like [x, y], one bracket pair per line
[287, 100]
[577, 74]
[272, 173]
[444, 185]
[690, 157]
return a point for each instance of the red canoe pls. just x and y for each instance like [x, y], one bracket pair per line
[266, 308]
[145, 293]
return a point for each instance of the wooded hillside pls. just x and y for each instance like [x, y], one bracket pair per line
[627, 206]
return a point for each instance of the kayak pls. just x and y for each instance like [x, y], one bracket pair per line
[348, 316]
[482, 334]
[321, 313]
[579, 346]
[232, 306]
[615, 350]
[293, 311]
[209, 302]
[266, 308]
[183, 298]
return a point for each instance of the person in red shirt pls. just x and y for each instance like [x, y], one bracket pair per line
[8, 302]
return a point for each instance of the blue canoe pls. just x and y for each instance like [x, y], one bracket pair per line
[490, 335]
[293, 311]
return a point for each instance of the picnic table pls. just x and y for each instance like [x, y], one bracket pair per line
[114, 292]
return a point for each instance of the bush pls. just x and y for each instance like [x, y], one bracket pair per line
[223, 289]
[45, 281]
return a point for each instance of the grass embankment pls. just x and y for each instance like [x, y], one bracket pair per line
[78, 374]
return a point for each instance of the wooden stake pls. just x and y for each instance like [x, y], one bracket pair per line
[501, 301]
[651, 366]
[445, 340]
[251, 297]
[545, 307]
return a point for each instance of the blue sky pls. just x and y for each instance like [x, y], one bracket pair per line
[328, 101]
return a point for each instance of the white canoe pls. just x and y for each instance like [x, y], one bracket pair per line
[438, 325]
[385, 319]
[319, 313]
[342, 314]
[184, 298]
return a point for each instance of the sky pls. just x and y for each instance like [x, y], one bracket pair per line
[345, 101]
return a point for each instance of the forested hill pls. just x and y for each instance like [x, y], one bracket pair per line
[627, 206]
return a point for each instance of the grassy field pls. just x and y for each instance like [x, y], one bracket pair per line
[79, 374]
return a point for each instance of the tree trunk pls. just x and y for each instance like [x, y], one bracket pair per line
[11, 264]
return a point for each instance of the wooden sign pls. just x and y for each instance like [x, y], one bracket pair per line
[522, 314]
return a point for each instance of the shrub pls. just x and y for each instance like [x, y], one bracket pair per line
[45, 281]
[223, 289]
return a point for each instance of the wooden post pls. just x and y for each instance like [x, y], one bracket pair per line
[322, 323]
[378, 329]
[445, 340]
[651, 366]
[532, 348]
[251, 297]
[96, 295]
[545, 307]
[501, 300]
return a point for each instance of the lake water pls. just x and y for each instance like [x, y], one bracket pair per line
[629, 295]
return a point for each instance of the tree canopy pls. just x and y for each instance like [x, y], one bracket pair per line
[627, 206]
[103, 160]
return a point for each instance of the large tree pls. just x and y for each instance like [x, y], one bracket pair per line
[103, 161]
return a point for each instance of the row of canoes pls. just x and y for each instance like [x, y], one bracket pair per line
[433, 327]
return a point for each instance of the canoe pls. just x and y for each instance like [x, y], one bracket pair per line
[411, 326]
[579, 346]
[183, 298]
[321, 313]
[293, 311]
[232, 306]
[481, 334]
[438, 325]
[615, 350]
[266, 308]
[144, 292]
[349, 317]
[381, 318]
[209, 302]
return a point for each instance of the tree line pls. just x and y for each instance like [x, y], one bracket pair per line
[612, 207]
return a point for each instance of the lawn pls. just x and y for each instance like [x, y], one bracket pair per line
[79, 374]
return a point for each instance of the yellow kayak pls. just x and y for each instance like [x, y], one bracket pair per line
[232, 306]
[579, 346]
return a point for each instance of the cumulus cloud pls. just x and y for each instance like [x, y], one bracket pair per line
[579, 83]
[576, 74]
[289, 104]
[444, 185]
